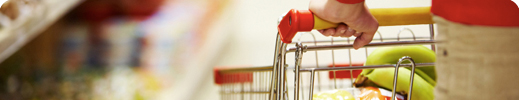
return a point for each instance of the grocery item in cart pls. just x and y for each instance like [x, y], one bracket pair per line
[419, 53]
[383, 77]
[373, 93]
[390, 55]
[334, 95]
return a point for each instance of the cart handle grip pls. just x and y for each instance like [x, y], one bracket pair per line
[303, 20]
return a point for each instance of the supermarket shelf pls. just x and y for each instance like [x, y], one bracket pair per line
[16, 35]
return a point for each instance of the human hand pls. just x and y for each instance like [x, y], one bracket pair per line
[355, 19]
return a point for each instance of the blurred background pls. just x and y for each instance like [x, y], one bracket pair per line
[137, 49]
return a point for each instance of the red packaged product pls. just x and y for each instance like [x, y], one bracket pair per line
[373, 93]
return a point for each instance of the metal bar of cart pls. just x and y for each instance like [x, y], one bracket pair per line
[269, 68]
[252, 69]
[244, 92]
[351, 40]
[364, 67]
[395, 78]
[349, 46]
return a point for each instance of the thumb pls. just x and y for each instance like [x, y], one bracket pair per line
[362, 40]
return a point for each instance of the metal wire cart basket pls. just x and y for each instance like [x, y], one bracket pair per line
[287, 79]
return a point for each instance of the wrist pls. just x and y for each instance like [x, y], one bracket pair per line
[354, 12]
[350, 1]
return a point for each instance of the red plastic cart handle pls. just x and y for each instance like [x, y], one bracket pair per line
[300, 21]
[295, 21]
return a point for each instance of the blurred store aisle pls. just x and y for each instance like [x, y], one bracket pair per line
[119, 49]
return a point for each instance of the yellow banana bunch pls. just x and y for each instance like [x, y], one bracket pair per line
[391, 55]
[424, 79]
[383, 77]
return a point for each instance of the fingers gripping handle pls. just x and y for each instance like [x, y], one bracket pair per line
[303, 20]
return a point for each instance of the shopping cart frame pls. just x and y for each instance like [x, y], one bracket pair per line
[282, 50]
[278, 86]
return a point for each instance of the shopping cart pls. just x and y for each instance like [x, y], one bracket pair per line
[271, 82]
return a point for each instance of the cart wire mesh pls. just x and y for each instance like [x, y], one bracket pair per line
[284, 81]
